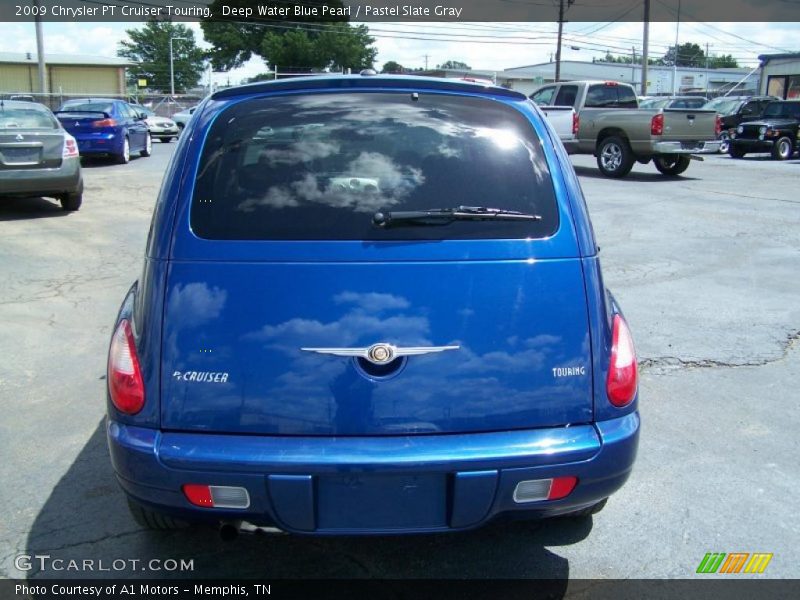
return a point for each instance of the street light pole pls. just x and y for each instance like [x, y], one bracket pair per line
[171, 65]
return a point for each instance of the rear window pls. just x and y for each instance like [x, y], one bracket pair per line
[318, 166]
[25, 118]
[606, 95]
[89, 107]
[789, 110]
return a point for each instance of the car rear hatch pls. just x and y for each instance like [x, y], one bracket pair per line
[278, 275]
[81, 123]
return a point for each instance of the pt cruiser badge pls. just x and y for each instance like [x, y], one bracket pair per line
[381, 353]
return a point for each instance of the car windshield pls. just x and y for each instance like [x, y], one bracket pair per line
[782, 110]
[319, 166]
[724, 106]
[26, 118]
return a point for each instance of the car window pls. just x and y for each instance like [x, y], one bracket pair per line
[544, 96]
[724, 106]
[782, 110]
[127, 111]
[105, 107]
[318, 167]
[600, 96]
[626, 98]
[693, 102]
[566, 95]
[26, 118]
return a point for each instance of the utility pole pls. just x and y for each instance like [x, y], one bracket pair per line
[40, 50]
[425, 56]
[706, 69]
[633, 67]
[645, 49]
[561, 11]
[675, 61]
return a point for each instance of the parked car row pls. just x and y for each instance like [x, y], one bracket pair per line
[608, 127]
[40, 150]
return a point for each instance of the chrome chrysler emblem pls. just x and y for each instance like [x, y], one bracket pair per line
[381, 353]
[19, 137]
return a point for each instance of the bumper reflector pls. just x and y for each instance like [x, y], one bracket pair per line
[216, 496]
[536, 490]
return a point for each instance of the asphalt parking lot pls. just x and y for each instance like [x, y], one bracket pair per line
[705, 267]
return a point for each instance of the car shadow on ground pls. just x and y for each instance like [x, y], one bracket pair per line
[86, 518]
[15, 209]
[94, 162]
[654, 177]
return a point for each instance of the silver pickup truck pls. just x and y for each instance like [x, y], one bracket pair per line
[564, 121]
[615, 130]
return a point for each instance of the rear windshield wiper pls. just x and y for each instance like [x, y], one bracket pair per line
[445, 216]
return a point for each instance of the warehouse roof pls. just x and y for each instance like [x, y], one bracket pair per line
[65, 59]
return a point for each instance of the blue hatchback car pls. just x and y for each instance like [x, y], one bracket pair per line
[369, 305]
[106, 127]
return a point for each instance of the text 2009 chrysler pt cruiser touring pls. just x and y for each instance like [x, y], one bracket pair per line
[369, 305]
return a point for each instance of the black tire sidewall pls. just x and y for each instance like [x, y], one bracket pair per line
[626, 163]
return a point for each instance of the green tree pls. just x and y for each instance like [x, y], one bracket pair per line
[308, 43]
[392, 66]
[149, 47]
[454, 64]
[689, 55]
[723, 61]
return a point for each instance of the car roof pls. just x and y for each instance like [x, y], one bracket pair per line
[76, 100]
[24, 104]
[339, 82]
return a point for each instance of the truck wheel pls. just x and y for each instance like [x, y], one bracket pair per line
[782, 150]
[725, 143]
[736, 152]
[614, 157]
[671, 165]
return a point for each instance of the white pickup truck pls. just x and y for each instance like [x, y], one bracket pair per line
[564, 120]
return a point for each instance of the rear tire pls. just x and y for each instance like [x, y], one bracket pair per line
[72, 201]
[586, 512]
[614, 157]
[153, 520]
[671, 166]
[736, 152]
[782, 150]
[125, 157]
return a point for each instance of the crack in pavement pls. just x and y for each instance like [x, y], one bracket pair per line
[672, 363]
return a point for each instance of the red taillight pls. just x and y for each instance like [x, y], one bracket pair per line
[576, 123]
[657, 124]
[612, 83]
[104, 123]
[718, 126]
[125, 383]
[622, 369]
[199, 495]
[562, 487]
[70, 147]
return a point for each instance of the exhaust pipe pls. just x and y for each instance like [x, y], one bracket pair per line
[229, 530]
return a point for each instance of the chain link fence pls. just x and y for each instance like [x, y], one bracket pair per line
[161, 104]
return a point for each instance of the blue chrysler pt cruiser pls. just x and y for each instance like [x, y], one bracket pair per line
[369, 305]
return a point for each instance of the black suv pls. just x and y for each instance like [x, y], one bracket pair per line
[735, 110]
[776, 131]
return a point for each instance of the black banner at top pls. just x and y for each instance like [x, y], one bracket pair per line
[270, 11]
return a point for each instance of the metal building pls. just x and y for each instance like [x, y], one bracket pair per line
[66, 74]
[780, 75]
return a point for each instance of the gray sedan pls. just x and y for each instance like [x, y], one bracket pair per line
[37, 157]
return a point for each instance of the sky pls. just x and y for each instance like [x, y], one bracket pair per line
[491, 46]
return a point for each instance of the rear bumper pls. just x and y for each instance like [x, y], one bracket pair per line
[33, 182]
[164, 132]
[707, 147]
[99, 143]
[374, 485]
[571, 146]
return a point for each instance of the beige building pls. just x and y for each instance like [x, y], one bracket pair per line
[780, 75]
[66, 74]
